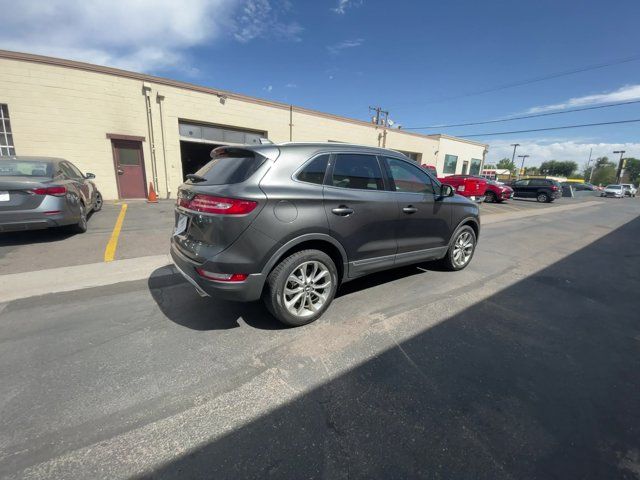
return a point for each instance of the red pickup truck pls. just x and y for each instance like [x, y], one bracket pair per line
[473, 188]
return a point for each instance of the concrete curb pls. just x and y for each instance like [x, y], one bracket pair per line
[65, 279]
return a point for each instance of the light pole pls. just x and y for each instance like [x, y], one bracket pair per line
[522, 167]
[619, 173]
[513, 157]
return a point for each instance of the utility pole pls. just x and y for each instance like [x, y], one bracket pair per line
[523, 157]
[620, 166]
[589, 163]
[513, 157]
[378, 120]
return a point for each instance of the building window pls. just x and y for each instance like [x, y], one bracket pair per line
[475, 166]
[450, 163]
[6, 137]
[416, 157]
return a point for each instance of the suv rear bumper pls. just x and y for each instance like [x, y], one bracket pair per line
[247, 291]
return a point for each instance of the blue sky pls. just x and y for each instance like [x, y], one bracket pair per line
[341, 56]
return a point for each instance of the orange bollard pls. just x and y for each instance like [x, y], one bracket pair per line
[152, 197]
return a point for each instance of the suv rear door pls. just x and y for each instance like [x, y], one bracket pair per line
[362, 213]
[423, 224]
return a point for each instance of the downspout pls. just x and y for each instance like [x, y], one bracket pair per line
[291, 123]
[160, 99]
[146, 91]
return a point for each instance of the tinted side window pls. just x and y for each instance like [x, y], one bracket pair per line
[521, 183]
[67, 170]
[75, 170]
[313, 172]
[539, 183]
[357, 171]
[407, 178]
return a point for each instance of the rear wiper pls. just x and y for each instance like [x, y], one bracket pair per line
[195, 178]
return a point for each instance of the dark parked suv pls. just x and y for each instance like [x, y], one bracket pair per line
[290, 222]
[544, 190]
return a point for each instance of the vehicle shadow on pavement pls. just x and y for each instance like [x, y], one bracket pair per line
[540, 380]
[387, 276]
[180, 303]
[34, 236]
[29, 237]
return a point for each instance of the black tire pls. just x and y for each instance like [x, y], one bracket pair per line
[543, 197]
[274, 296]
[448, 262]
[81, 226]
[491, 197]
[97, 206]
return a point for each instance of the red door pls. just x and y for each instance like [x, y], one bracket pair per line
[127, 156]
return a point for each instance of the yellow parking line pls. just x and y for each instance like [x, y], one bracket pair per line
[110, 251]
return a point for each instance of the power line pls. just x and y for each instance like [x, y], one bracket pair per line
[508, 119]
[538, 79]
[549, 128]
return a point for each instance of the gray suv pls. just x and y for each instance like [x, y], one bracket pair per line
[289, 223]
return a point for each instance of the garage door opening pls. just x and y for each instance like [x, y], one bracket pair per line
[194, 156]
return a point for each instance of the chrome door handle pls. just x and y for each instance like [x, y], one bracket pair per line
[410, 209]
[342, 211]
[120, 172]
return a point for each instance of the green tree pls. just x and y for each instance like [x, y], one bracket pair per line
[604, 175]
[506, 164]
[531, 170]
[604, 171]
[632, 168]
[554, 167]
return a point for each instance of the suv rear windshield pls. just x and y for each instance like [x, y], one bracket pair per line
[231, 165]
[25, 168]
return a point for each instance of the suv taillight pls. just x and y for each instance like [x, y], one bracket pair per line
[222, 205]
[55, 191]
[554, 187]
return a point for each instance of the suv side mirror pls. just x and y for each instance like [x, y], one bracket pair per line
[89, 175]
[446, 191]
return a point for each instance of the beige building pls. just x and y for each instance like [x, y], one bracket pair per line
[131, 129]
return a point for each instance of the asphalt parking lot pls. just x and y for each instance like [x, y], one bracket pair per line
[524, 365]
[145, 231]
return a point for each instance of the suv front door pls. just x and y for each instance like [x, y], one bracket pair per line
[424, 222]
[361, 212]
[521, 189]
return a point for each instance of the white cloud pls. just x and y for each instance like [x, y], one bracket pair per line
[260, 18]
[541, 150]
[291, 85]
[338, 47]
[343, 5]
[141, 35]
[268, 88]
[628, 92]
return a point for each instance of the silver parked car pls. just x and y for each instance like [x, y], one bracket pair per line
[41, 192]
[629, 189]
[613, 191]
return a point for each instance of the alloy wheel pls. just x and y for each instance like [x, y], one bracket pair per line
[307, 289]
[463, 249]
